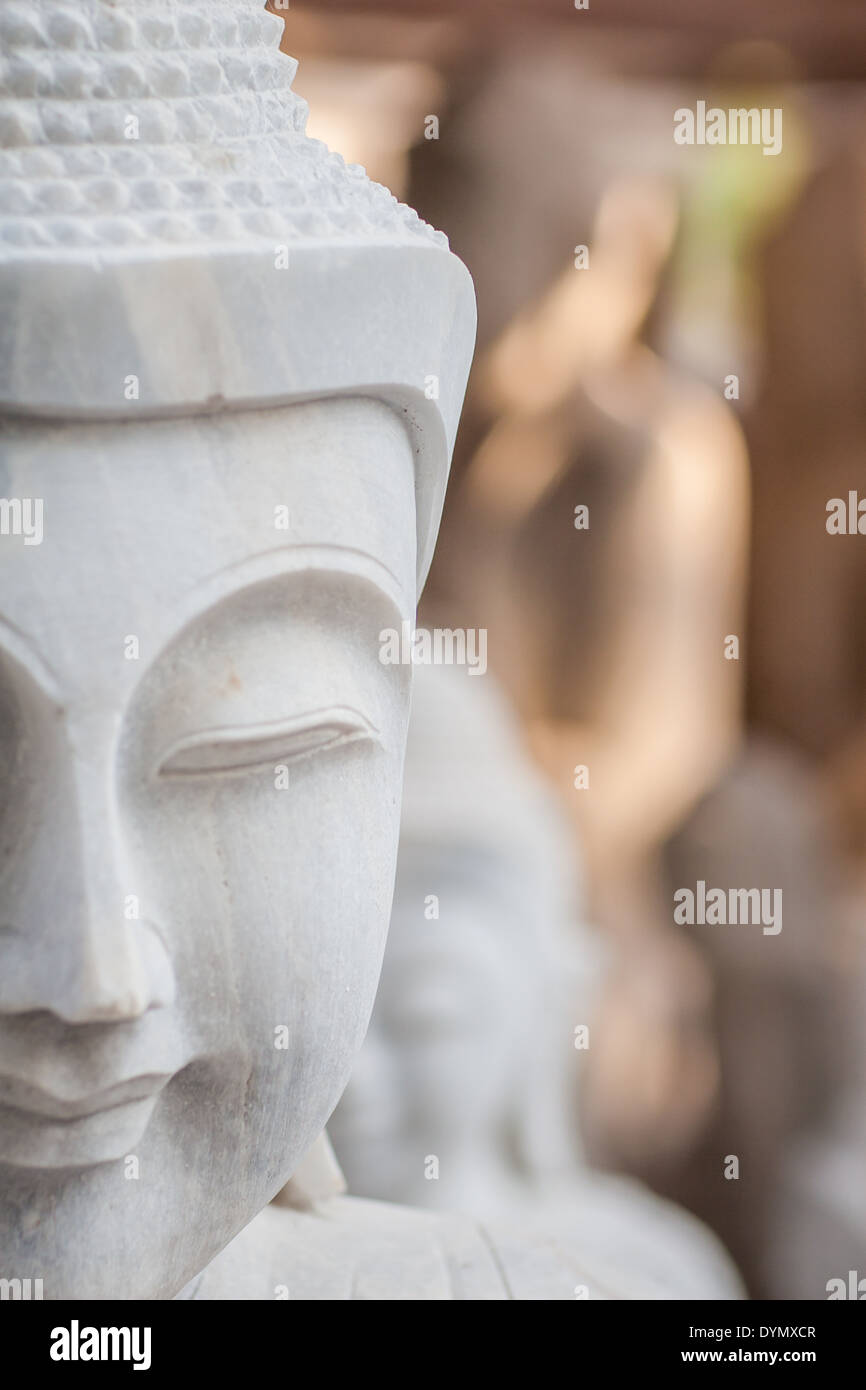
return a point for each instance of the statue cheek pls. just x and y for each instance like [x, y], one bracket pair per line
[249, 934]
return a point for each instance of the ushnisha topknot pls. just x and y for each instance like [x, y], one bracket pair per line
[134, 122]
[164, 217]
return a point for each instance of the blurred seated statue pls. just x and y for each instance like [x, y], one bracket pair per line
[222, 472]
[461, 1097]
[781, 998]
[788, 999]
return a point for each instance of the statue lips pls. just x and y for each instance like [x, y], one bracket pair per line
[76, 1129]
[31, 1100]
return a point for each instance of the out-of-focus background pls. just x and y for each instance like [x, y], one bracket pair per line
[672, 337]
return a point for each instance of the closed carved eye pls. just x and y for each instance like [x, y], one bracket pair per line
[244, 747]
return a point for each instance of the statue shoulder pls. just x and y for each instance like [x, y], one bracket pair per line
[350, 1248]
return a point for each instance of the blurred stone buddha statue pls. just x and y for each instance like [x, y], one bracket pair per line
[462, 1095]
[222, 470]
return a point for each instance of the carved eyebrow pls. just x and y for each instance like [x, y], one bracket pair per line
[212, 601]
[288, 561]
[221, 588]
[15, 644]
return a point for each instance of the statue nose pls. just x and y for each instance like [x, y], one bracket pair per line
[76, 946]
[114, 973]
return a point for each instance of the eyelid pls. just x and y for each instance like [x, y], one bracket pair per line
[242, 747]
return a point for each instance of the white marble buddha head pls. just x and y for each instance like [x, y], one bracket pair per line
[215, 372]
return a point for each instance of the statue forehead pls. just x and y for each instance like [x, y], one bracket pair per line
[146, 527]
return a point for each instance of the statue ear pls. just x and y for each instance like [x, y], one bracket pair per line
[317, 1177]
